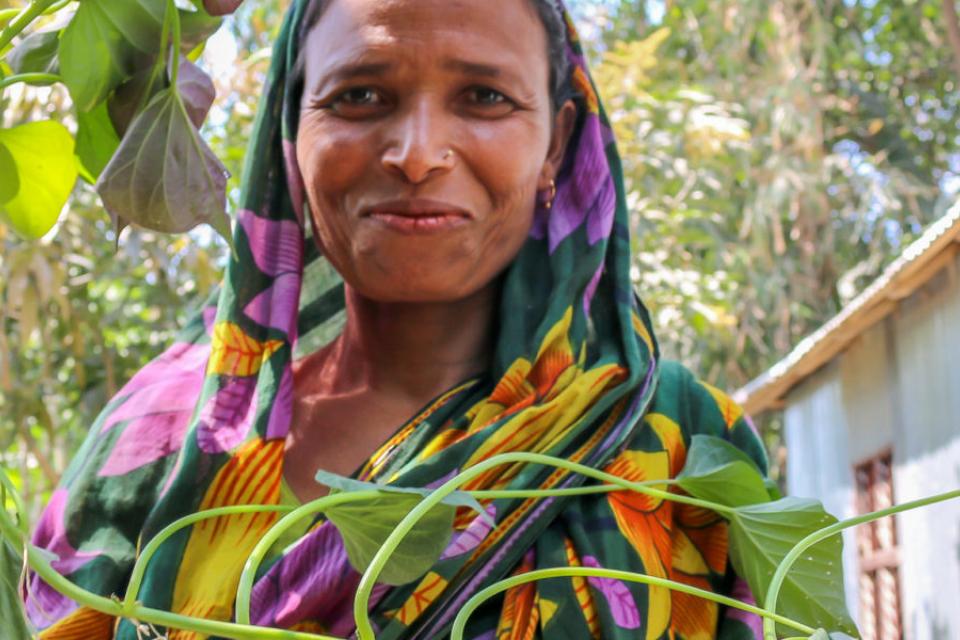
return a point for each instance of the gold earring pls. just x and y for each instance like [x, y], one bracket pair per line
[548, 203]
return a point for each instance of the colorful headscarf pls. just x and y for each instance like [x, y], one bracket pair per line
[575, 374]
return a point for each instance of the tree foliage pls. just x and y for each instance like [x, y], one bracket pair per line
[777, 153]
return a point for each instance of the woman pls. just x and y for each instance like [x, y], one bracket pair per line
[464, 276]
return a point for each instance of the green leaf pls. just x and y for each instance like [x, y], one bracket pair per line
[96, 141]
[773, 489]
[15, 626]
[37, 53]
[196, 27]
[133, 95]
[454, 499]
[194, 86]
[719, 472]
[105, 43]
[46, 169]
[164, 177]
[365, 527]
[10, 183]
[762, 535]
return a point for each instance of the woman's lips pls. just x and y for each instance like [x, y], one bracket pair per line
[418, 216]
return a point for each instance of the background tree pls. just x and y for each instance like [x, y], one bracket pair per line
[81, 311]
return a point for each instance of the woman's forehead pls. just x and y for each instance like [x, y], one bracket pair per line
[498, 33]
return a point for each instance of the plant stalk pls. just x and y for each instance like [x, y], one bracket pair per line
[245, 586]
[112, 607]
[368, 580]
[174, 18]
[140, 567]
[460, 622]
[22, 21]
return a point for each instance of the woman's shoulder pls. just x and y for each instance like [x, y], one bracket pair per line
[699, 408]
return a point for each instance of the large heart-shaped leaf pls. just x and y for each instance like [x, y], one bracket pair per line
[104, 44]
[37, 53]
[761, 535]
[164, 177]
[15, 625]
[46, 171]
[719, 472]
[96, 141]
[366, 525]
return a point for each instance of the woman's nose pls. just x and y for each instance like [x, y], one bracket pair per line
[418, 147]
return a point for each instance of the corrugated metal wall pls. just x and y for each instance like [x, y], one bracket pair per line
[818, 455]
[898, 387]
[927, 457]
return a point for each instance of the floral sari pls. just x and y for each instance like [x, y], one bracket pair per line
[576, 374]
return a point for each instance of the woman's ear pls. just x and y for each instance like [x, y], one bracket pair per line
[563, 124]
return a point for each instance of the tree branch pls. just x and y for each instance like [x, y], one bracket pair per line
[952, 21]
[48, 471]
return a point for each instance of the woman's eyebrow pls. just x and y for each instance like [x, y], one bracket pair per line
[355, 70]
[473, 68]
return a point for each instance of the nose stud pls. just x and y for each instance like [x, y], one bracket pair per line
[447, 154]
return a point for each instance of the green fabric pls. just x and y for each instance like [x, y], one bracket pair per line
[576, 374]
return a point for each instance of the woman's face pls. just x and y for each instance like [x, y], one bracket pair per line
[426, 134]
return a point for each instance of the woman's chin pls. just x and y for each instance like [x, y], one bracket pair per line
[418, 288]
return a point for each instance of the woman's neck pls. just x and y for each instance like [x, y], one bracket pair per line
[410, 351]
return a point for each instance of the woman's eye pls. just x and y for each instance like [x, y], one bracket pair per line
[487, 96]
[358, 96]
[356, 101]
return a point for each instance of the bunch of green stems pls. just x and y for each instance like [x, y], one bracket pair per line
[129, 607]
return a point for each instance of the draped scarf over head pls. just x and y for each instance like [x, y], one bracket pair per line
[574, 374]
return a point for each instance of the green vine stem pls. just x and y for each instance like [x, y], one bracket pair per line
[242, 630]
[7, 490]
[509, 494]
[174, 17]
[25, 17]
[140, 567]
[460, 622]
[368, 580]
[36, 78]
[245, 586]
[8, 14]
[773, 591]
[114, 607]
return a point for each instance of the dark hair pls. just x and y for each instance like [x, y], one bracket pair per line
[550, 16]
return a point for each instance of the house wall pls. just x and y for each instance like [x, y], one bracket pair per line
[897, 386]
[818, 450]
[927, 457]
